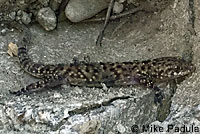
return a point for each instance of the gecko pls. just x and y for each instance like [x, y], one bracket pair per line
[147, 73]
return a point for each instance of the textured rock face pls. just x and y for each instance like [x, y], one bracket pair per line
[59, 112]
[78, 10]
[172, 32]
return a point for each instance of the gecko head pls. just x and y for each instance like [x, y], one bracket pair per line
[178, 68]
[185, 68]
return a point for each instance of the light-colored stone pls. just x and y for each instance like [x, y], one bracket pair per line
[118, 7]
[47, 18]
[78, 10]
[12, 15]
[26, 18]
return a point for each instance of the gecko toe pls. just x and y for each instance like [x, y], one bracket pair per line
[159, 96]
[18, 93]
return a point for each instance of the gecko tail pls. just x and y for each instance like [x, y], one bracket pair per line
[30, 88]
[26, 63]
[39, 85]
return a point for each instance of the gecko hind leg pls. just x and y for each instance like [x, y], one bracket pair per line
[38, 86]
[147, 82]
[159, 96]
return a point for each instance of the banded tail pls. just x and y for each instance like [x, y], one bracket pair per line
[36, 69]
[46, 72]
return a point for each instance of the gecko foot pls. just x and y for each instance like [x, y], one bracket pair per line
[159, 96]
[19, 92]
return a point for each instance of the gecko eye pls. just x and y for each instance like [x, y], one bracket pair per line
[69, 70]
[87, 70]
[104, 67]
[112, 69]
[153, 63]
[62, 68]
[112, 64]
[96, 70]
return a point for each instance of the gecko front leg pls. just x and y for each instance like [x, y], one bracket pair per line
[146, 82]
[158, 93]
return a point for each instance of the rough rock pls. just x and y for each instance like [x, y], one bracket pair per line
[47, 18]
[181, 120]
[12, 15]
[2, 1]
[134, 2]
[44, 2]
[78, 10]
[61, 112]
[172, 32]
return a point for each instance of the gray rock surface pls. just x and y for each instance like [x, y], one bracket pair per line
[172, 32]
[180, 120]
[44, 2]
[78, 10]
[47, 18]
[54, 4]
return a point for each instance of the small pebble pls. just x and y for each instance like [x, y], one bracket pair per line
[12, 15]
[122, 1]
[47, 18]
[118, 7]
[78, 10]
[26, 19]
[19, 12]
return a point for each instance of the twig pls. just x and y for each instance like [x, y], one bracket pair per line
[132, 11]
[108, 14]
[119, 26]
[62, 6]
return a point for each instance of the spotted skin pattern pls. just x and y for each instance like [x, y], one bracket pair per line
[145, 73]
